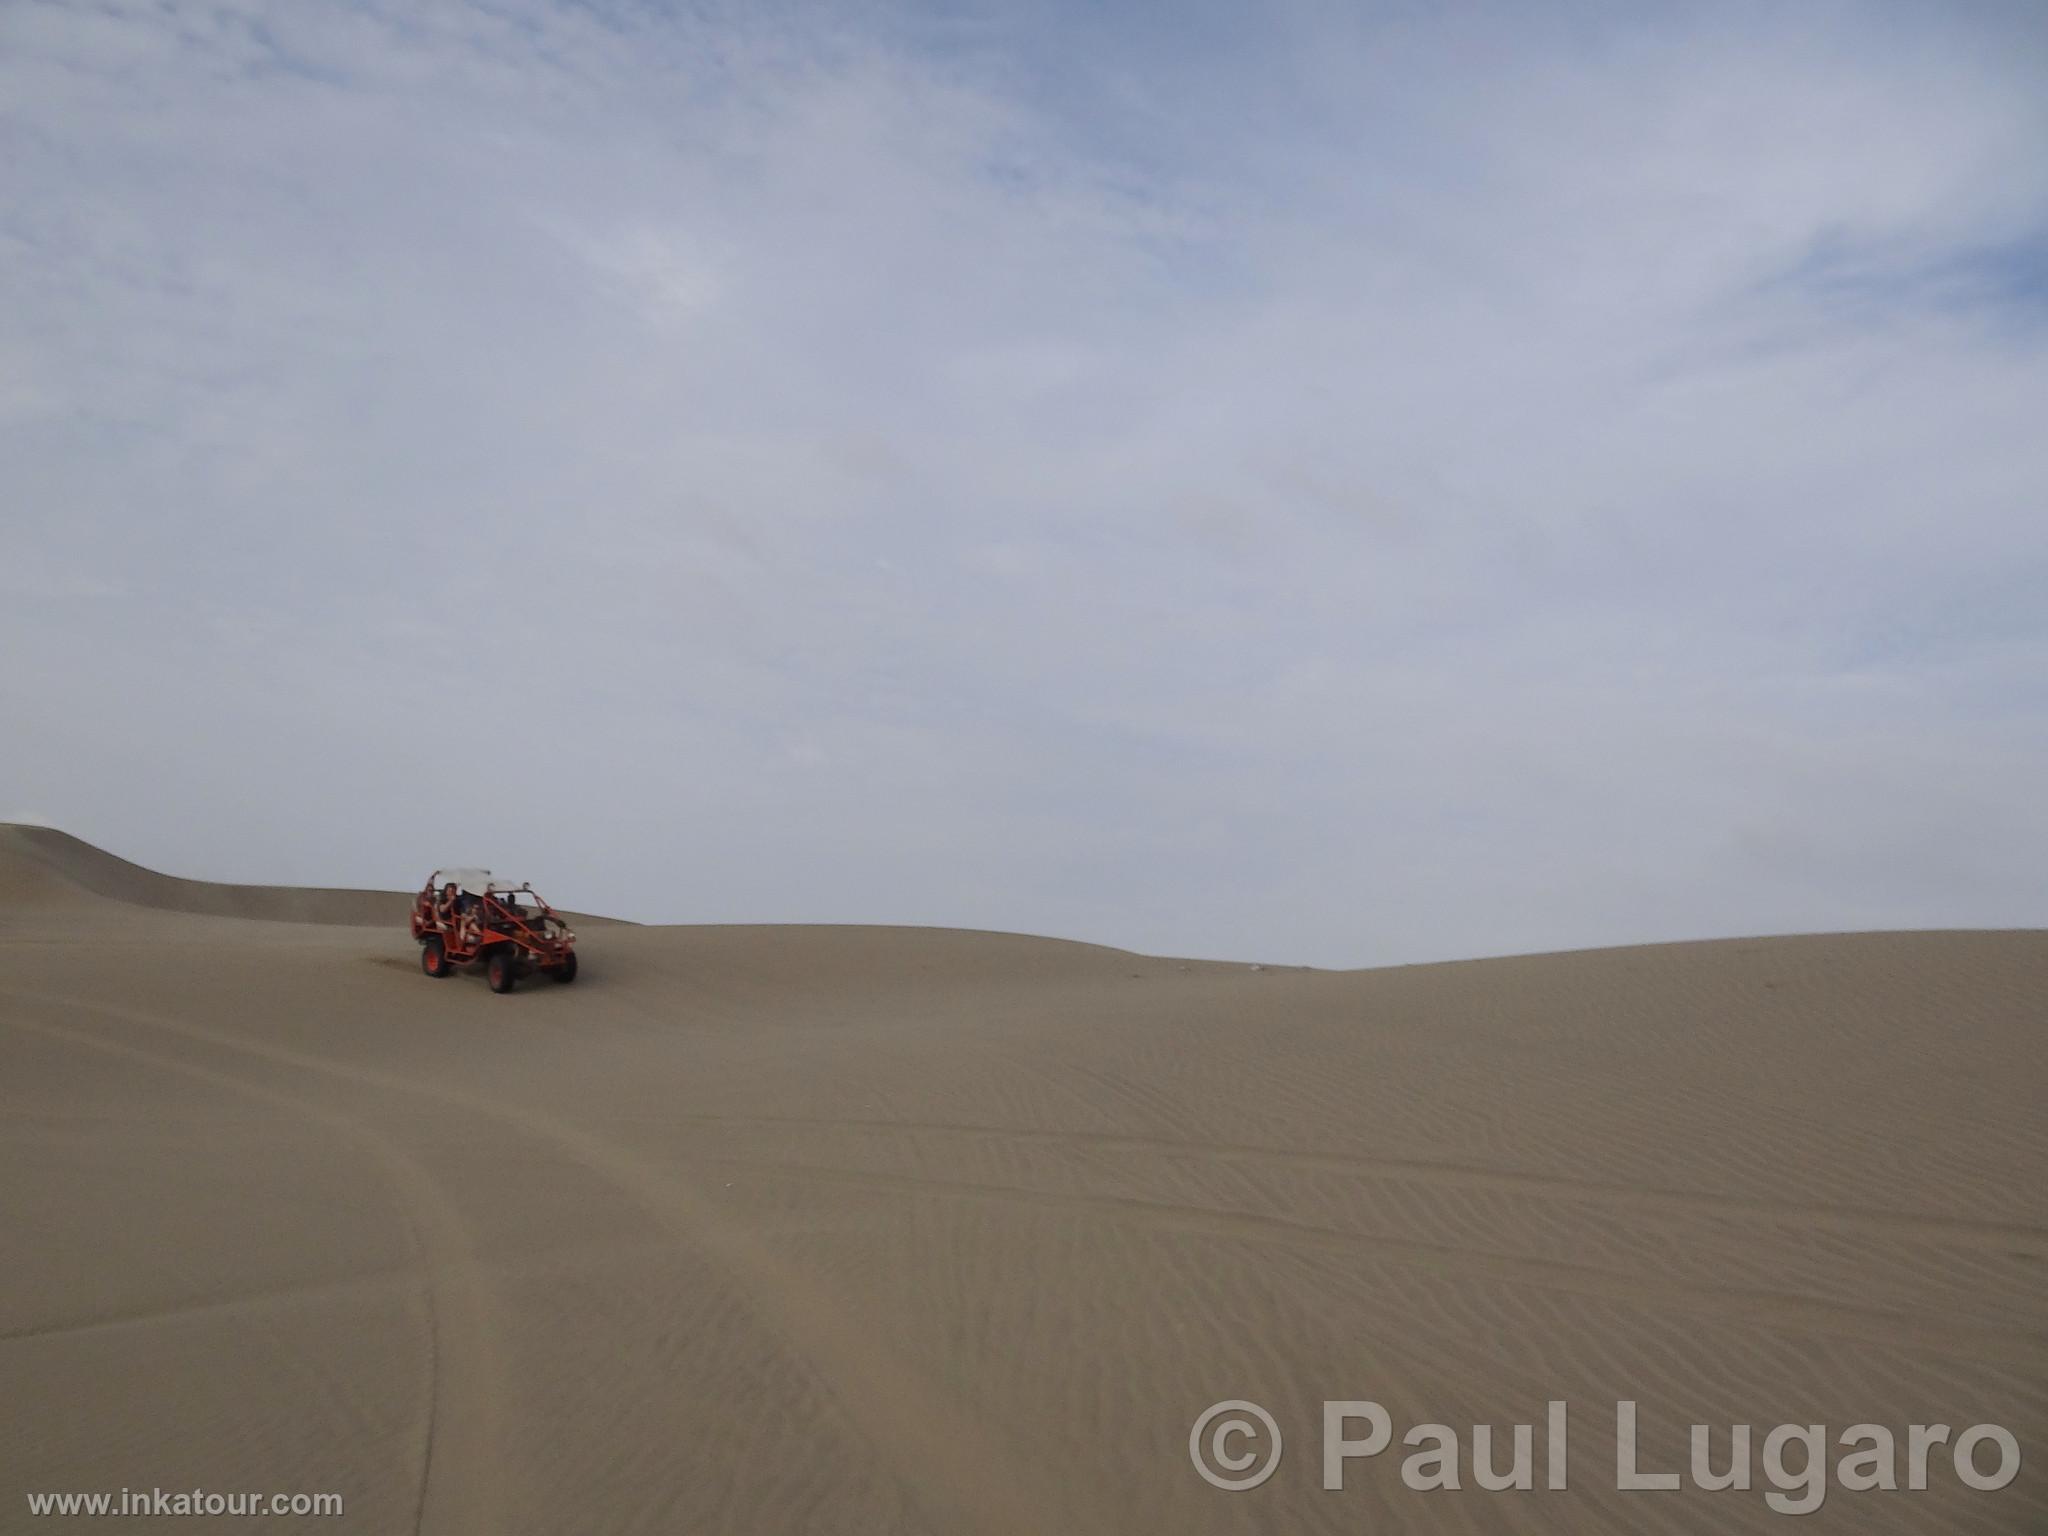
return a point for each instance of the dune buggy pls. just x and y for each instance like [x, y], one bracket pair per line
[468, 916]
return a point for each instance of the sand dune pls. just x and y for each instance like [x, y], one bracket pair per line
[44, 865]
[843, 1229]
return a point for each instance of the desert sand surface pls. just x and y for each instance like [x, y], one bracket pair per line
[862, 1229]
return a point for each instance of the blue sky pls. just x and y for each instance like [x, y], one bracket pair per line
[1312, 483]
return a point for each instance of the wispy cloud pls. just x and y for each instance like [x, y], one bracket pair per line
[1339, 489]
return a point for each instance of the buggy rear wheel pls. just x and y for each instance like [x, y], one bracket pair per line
[566, 971]
[434, 958]
[502, 968]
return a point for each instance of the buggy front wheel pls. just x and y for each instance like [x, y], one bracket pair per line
[566, 971]
[502, 969]
[434, 958]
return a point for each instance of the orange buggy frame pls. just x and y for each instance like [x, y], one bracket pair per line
[464, 916]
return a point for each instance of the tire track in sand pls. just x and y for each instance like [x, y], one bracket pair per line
[1960, 1231]
[458, 1470]
[1781, 1310]
[963, 1478]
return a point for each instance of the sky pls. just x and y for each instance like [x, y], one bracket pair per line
[1329, 484]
